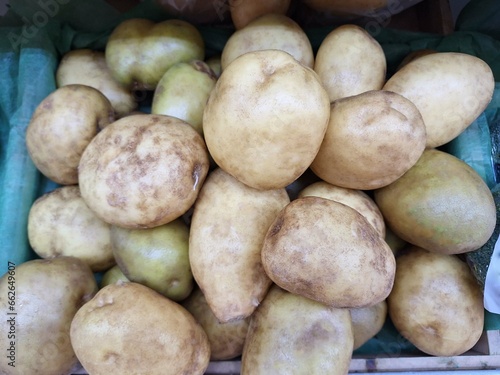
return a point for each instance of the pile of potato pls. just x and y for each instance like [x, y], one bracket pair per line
[273, 203]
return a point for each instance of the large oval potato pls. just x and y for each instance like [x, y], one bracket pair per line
[143, 171]
[266, 118]
[61, 223]
[349, 62]
[270, 31]
[450, 90]
[326, 251]
[230, 220]
[62, 126]
[436, 302]
[372, 139]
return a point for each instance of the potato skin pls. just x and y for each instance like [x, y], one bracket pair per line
[143, 171]
[436, 302]
[321, 249]
[244, 12]
[62, 126]
[367, 322]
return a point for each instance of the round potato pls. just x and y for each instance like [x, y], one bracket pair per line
[436, 302]
[367, 322]
[450, 90]
[326, 251]
[143, 171]
[266, 118]
[372, 139]
[357, 199]
[349, 62]
[62, 126]
[60, 223]
[88, 67]
[270, 31]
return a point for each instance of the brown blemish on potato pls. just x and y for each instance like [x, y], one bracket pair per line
[276, 227]
[316, 334]
[116, 200]
[48, 104]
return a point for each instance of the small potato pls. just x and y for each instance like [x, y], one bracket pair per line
[62, 126]
[60, 223]
[450, 90]
[436, 302]
[270, 31]
[88, 67]
[356, 199]
[143, 171]
[349, 62]
[367, 322]
[244, 12]
[326, 251]
[372, 139]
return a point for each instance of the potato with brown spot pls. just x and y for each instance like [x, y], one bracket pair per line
[372, 139]
[226, 339]
[290, 334]
[62, 126]
[436, 302]
[61, 223]
[228, 227]
[143, 171]
[357, 199]
[47, 294]
[322, 249]
[349, 62]
[128, 328]
[265, 119]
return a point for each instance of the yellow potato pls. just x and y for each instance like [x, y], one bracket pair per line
[450, 90]
[349, 62]
[436, 302]
[326, 251]
[372, 139]
[270, 31]
[265, 119]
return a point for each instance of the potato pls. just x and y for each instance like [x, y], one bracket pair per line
[349, 62]
[326, 251]
[143, 171]
[60, 223]
[62, 126]
[348, 7]
[265, 119]
[128, 328]
[290, 334]
[450, 89]
[367, 322]
[372, 139]
[244, 12]
[228, 227]
[357, 199]
[42, 297]
[88, 67]
[436, 302]
[270, 31]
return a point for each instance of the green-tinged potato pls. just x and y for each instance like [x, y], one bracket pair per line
[226, 339]
[450, 89]
[230, 220]
[367, 322]
[436, 303]
[244, 12]
[265, 119]
[440, 204]
[357, 199]
[39, 299]
[143, 171]
[128, 328]
[156, 257]
[62, 126]
[372, 139]
[139, 51]
[61, 223]
[88, 67]
[349, 62]
[290, 334]
[111, 276]
[270, 31]
[183, 92]
[322, 249]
